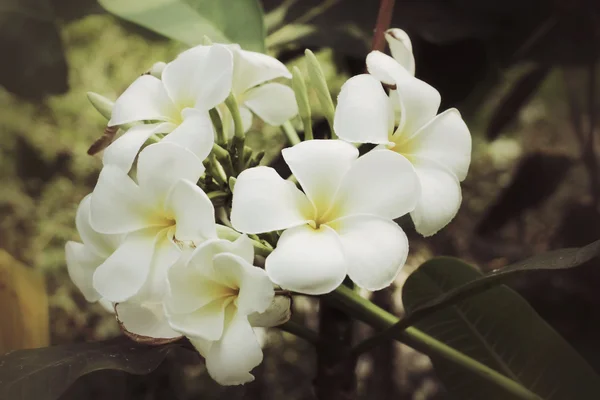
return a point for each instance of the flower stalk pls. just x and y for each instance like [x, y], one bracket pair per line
[239, 136]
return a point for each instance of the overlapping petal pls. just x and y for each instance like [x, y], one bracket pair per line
[319, 166]
[207, 322]
[145, 320]
[252, 69]
[99, 244]
[264, 202]
[364, 113]
[193, 211]
[81, 265]
[376, 249]
[308, 260]
[273, 102]
[195, 133]
[401, 48]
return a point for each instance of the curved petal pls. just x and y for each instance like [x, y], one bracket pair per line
[251, 69]
[81, 264]
[193, 212]
[363, 112]
[308, 260]
[381, 183]
[264, 202]
[440, 197]
[207, 322]
[145, 99]
[419, 102]
[274, 103]
[401, 48]
[376, 249]
[278, 312]
[200, 77]
[100, 244]
[446, 140]
[160, 165]
[319, 166]
[124, 273]
[255, 288]
[123, 151]
[195, 133]
[145, 320]
[117, 204]
[230, 360]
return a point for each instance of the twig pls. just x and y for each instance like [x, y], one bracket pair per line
[384, 19]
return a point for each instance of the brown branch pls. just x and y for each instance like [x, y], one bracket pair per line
[384, 19]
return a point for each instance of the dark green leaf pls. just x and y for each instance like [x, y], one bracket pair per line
[33, 63]
[223, 21]
[500, 329]
[45, 373]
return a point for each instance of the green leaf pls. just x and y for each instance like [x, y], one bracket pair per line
[189, 21]
[45, 373]
[501, 330]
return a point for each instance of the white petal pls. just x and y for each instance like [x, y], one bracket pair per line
[193, 212]
[123, 151]
[307, 260]
[117, 204]
[375, 248]
[401, 48]
[255, 289]
[319, 166]
[230, 360]
[278, 313]
[446, 140]
[195, 133]
[207, 322]
[264, 202]
[145, 320]
[124, 273]
[440, 197]
[160, 165]
[200, 77]
[145, 99]
[381, 183]
[81, 264]
[243, 248]
[274, 103]
[101, 245]
[363, 112]
[202, 345]
[251, 69]
[419, 102]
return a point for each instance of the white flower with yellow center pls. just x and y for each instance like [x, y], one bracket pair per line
[212, 298]
[438, 146]
[196, 81]
[341, 224]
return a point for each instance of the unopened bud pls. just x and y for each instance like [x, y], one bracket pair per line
[101, 103]
[157, 69]
[318, 82]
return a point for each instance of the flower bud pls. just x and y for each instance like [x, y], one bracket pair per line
[318, 82]
[101, 103]
[157, 69]
[299, 87]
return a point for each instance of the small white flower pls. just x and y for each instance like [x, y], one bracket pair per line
[156, 213]
[197, 80]
[210, 299]
[341, 224]
[439, 146]
[272, 102]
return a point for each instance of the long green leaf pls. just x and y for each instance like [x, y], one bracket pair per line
[45, 373]
[553, 260]
[500, 329]
[223, 21]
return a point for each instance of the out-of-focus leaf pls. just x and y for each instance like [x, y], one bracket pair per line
[33, 63]
[23, 306]
[515, 99]
[500, 329]
[44, 374]
[223, 21]
[553, 260]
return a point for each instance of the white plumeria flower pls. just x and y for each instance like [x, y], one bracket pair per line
[158, 213]
[196, 81]
[272, 102]
[438, 146]
[210, 299]
[341, 224]
[83, 258]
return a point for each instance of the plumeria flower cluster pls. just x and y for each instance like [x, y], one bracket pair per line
[182, 213]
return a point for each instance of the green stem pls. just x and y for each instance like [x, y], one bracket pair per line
[308, 132]
[218, 124]
[301, 331]
[217, 170]
[238, 127]
[290, 132]
[224, 158]
[217, 194]
[369, 313]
